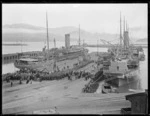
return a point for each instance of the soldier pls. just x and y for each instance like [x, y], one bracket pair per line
[28, 78]
[56, 112]
[7, 79]
[37, 75]
[20, 81]
[81, 74]
[86, 77]
[40, 78]
[31, 78]
[76, 76]
[11, 83]
[11, 80]
[69, 78]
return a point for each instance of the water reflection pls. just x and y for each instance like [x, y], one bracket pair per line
[8, 68]
[132, 84]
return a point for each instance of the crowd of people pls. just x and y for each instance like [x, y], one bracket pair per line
[92, 86]
[78, 75]
[29, 75]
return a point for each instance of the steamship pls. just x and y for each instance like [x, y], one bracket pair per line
[122, 66]
[56, 60]
[67, 57]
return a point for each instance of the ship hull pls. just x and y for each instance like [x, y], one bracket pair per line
[124, 83]
[25, 66]
[28, 66]
[118, 82]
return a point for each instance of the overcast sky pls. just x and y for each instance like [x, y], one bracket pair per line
[91, 17]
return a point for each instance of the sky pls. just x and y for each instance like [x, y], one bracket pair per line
[103, 18]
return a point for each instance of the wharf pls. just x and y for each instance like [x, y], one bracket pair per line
[64, 94]
[8, 58]
[107, 46]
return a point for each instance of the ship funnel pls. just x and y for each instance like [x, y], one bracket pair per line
[79, 35]
[67, 40]
[126, 39]
[126, 35]
[54, 43]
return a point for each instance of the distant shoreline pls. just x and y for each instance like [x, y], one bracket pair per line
[15, 44]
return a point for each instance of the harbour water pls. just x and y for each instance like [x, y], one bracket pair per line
[37, 46]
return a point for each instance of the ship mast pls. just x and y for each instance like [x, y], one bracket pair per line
[47, 35]
[124, 24]
[124, 34]
[120, 34]
[127, 38]
[127, 29]
[120, 31]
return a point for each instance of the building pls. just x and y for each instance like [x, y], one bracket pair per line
[139, 104]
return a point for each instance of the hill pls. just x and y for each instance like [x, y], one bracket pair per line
[26, 32]
[31, 33]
